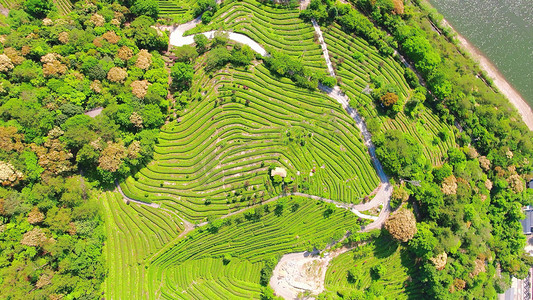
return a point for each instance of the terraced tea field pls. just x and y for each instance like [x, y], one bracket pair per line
[134, 232]
[274, 28]
[356, 66]
[194, 268]
[353, 270]
[63, 6]
[216, 159]
[176, 10]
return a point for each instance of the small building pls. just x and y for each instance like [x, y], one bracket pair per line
[530, 184]
[279, 171]
[527, 223]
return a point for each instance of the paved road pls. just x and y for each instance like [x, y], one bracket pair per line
[177, 39]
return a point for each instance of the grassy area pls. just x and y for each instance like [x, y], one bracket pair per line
[193, 268]
[216, 159]
[354, 270]
[134, 232]
[356, 67]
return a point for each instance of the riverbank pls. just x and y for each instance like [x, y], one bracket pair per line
[499, 80]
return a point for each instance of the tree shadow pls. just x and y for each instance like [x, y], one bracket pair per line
[414, 287]
[385, 245]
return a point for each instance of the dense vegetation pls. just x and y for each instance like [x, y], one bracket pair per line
[52, 71]
[92, 95]
[469, 208]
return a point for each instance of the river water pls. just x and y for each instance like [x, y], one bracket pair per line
[502, 30]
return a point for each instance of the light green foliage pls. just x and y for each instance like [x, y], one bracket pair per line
[201, 42]
[181, 74]
[424, 242]
[146, 7]
[134, 233]
[65, 243]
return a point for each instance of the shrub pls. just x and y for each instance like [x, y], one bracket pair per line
[401, 225]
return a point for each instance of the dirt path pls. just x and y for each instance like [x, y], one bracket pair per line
[126, 198]
[324, 47]
[302, 272]
[94, 112]
[382, 197]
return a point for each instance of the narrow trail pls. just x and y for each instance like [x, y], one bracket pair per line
[296, 273]
[385, 190]
[126, 198]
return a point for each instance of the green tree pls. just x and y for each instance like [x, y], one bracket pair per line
[181, 74]
[186, 53]
[424, 242]
[148, 8]
[38, 8]
[145, 36]
[205, 5]
[201, 42]
[152, 116]
[77, 131]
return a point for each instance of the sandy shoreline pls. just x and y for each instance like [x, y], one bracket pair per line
[499, 80]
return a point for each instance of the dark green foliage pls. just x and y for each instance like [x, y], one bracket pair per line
[328, 81]
[181, 74]
[38, 8]
[377, 271]
[210, 6]
[266, 271]
[284, 65]
[206, 17]
[268, 294]
[148, 8]
[201, 42]
[145, 36]
[400, 154]
[424, 242]
[240, 55]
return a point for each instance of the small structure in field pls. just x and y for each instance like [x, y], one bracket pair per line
[279, 171]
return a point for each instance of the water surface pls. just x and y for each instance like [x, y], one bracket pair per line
[502, 30]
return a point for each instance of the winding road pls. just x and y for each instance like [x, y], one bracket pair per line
[177, 39]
